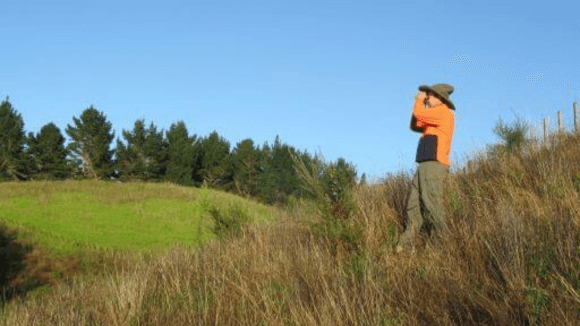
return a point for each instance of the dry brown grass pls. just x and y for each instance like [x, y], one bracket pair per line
[511, 257]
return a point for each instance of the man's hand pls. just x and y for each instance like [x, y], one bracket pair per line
[421, 96]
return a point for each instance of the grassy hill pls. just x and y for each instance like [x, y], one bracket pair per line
[52, 232]
[511, 256]
[66, 216]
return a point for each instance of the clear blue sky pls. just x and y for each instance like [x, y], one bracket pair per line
[331, 76]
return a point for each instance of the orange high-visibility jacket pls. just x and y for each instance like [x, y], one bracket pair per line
[436, 123]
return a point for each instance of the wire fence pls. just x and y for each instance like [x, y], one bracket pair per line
[546, 131]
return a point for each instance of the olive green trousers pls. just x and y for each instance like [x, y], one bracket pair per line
[425, 205]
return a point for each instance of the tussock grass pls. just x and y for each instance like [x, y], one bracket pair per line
[511, 257]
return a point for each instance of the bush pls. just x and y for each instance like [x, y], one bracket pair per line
[331, 185]
[229, 224]
[513, 136]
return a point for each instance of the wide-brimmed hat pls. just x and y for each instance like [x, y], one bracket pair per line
[442, 91]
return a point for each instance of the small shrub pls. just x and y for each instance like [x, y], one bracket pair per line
[331, 185]
[576, 181]
[538, 299]
[230, 223]
[513, 136]
[359, 265]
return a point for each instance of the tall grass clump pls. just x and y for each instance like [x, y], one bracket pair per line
[511, 256]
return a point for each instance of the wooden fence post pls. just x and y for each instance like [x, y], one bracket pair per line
[533, 140]
[576, 126]
[560, 122]
[546, 129]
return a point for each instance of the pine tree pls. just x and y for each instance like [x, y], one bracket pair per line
[247, 166]
[145, 155]
[216, 165]
[182, 153]
[279, 179]
[14, 161]
[156, 149]
[91, 138]
[49, 153]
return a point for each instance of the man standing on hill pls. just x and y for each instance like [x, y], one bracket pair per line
[433, 117]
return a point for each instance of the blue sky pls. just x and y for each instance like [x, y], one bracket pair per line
[331, 76]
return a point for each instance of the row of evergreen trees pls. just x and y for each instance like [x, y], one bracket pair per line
[145, 153]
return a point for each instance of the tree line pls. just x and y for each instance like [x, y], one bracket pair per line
[267, 172]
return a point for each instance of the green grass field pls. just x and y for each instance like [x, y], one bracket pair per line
[65, 217]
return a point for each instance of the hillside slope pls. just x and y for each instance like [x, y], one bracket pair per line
[511, 257]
